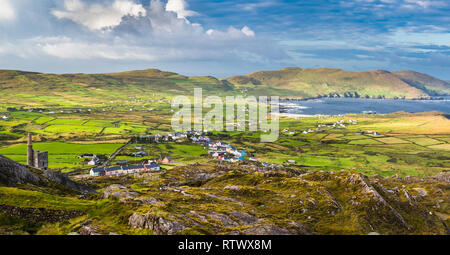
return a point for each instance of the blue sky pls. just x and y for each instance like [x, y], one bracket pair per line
[224, 38]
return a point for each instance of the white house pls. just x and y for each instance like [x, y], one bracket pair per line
[95, 161]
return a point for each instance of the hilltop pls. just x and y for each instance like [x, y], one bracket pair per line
[298, 82]
[240, 199]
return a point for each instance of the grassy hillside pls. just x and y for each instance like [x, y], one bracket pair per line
[297, 82]
[106, 90]
[242, 199]
[424, 82]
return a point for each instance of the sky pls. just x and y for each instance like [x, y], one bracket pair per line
[224, 38]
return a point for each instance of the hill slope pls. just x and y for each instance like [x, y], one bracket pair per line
[326, 82]
[239, 199]
[13, 174]
[37, 89]
[424, 82]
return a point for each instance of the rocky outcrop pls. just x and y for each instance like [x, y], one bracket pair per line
[120, 192]
[267, 230]
[443, 177]
[87, 229]
[13, 173]
[156, 224]
[368, 188]
[64, 180]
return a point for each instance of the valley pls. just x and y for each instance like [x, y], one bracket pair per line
[347, 174]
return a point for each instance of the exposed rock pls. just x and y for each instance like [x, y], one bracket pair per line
[121, 192]
[88, 230]
[232, 187]
[244, 218]
[421, 191]
[301, 229]
[150, 200]
[409, 197]
[222, 218]
[198, 216]
[63, 179]
[364, 182]
[157, 224]
[13, 173]
[267, 230]
[443, 177]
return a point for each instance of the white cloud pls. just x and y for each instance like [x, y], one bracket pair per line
[231, 33]
[407, 38]
[160, 35]
[67, 48]
[425, 4]
[255, 6]
[132, 33]
[248, 32]
[180, 8]
[7, 12]
[99, 16]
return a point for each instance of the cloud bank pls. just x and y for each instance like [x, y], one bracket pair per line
[7, 12]
[127, 31]
[180, 7]
[158, 32]
[99, 16]
[223, 38]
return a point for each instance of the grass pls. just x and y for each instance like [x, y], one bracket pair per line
[61, 129]
[409, 145]
[364, 142]
[73, 133]
[392, 140]
[61, 155]
[441, 147]
[425, 141]
[27, 198]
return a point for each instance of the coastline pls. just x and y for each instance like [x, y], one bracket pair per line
[343, 106]
[430, 98]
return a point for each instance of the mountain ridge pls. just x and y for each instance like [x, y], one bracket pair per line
[331, 81]
[290, 82]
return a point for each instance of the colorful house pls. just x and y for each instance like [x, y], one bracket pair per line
[152, 167]
[97, 172]
[166, 160]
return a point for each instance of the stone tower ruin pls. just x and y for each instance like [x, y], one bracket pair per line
[36, 159]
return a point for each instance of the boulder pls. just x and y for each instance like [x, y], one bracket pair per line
[120, 192]
[157, 224]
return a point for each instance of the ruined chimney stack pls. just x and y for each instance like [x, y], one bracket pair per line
[30, 152]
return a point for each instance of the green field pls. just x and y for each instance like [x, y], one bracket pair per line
[61, 155]
[408, 144]
[180, 153]
[70, 115]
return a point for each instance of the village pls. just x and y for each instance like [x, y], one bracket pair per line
[223, 152]
[217, 150]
